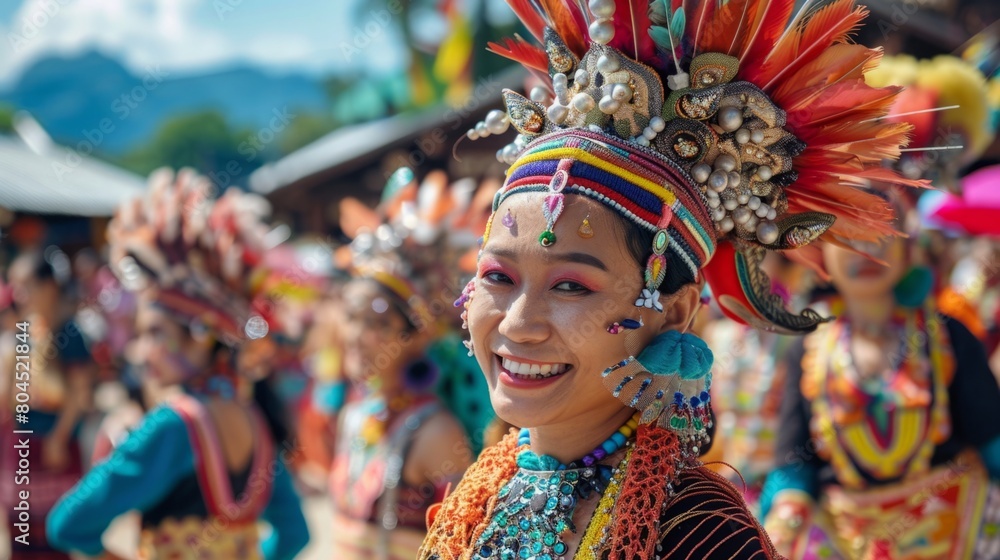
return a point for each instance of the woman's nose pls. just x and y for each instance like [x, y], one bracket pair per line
[526, 320]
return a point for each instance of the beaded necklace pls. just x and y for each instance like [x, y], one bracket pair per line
[536, 506]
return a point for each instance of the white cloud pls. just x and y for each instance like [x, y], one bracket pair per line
[186, 35]
[141, 32]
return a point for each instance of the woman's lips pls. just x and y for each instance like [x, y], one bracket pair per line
[525, 374]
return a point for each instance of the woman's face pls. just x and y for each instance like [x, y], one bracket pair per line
[165, 349]
[855, 275]
[377, 340]
[538, 310]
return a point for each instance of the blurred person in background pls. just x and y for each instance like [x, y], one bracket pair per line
[892, 400]
[61, 373]
[208, 460]
[895, 399]
[399, 444]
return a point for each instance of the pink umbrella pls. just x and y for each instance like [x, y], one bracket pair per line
[977, 211]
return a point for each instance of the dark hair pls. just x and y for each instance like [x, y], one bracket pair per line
[398, 305]
[275, 414]
[639, 243]
[40, 268]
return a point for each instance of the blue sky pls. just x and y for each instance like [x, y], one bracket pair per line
[195, 35]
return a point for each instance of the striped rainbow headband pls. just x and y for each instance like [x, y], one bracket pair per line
[640, 184]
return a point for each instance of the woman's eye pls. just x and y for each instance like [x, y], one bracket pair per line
[498, 277]
[570, 286]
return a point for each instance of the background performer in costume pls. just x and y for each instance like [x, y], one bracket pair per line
[398, 445]
[206, 465]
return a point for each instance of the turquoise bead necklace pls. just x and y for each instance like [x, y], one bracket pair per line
[536, 506]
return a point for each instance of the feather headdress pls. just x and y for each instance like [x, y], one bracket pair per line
[198, 253]
[757, 122]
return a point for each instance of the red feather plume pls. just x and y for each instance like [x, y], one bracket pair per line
[519, 50]
[530, 17]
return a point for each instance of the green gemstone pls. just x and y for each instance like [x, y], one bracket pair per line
[532, 479]
[529, 492]
[536, 547]
[551, 503]
[566, 489]
[559, 548]
[524, 524]
[572, 475]
[547, 238]
[549, 539]
[560, 526]
[660, 242]
[512, 531]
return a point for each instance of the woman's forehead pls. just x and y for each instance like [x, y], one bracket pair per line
[603, 231]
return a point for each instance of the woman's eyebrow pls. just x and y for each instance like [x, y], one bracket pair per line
[572, 257]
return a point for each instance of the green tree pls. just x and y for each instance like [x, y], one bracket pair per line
[305, 129]
[203, 140]
[6, 118]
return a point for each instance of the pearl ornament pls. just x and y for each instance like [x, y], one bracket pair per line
[602, 8]
[608, 106]
[718, 180]
[700, 172]
[730, 118]
[767, 232]
[725, 162]
[583, 102]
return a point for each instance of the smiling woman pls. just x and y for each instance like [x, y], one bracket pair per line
[621, 199]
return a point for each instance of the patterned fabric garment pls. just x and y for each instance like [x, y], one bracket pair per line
[376, 513]
[197, 538]
[882, 429]
[704, 516]
[171, 469]
[898, 472]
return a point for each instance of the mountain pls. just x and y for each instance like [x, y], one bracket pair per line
[72, 97]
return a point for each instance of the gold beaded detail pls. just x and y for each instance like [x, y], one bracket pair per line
[597, 530]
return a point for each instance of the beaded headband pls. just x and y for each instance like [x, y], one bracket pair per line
[417, 311]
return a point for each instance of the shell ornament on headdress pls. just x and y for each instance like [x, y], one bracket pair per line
[201, 255]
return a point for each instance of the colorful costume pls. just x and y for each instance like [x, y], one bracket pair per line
[721, 135]
[198, 254]
[921, 445]
[377, 512]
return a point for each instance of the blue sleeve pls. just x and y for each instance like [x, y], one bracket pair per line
[137, 476]
[289, 533]
[802, 477]
[991, 458]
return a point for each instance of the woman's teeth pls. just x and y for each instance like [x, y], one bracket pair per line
[538, 371]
